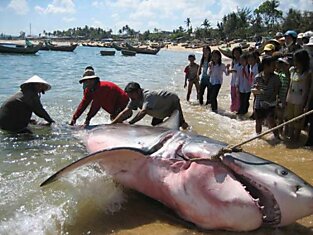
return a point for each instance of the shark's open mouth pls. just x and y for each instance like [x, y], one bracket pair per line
[264, 199]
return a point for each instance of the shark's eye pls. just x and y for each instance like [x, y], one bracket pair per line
[282, 172]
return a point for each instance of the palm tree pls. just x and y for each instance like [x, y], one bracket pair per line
[206, 24]
[188, 22]
[269, 11]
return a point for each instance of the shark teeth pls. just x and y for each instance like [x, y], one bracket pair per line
[263, 199]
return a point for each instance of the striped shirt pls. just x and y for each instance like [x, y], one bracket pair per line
[270, 90]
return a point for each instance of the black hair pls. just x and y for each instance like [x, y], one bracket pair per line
[267, 60]
[302, 56]
[277, 54]
[210, 55]
[131, 87]
[89, 68]
[219, 62]
[253, 55]
[244, 56]
[239, 49]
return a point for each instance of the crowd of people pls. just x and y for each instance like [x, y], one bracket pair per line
[280, 81]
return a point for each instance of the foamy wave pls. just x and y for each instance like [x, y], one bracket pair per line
[84, 191]
[43, 220]
[93, 186]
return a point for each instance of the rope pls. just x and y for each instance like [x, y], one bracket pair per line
[237, 148]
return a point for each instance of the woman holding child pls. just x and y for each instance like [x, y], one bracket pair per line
[266, 89]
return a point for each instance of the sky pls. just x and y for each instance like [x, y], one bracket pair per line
[50, 15]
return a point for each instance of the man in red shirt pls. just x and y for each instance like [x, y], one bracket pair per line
[103, 94]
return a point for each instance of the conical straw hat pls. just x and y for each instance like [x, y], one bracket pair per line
[37, 79]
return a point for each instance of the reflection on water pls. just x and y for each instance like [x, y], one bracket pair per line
[88, 201]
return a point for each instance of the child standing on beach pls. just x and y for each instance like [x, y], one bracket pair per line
[205, 79]
[282, 70]
[298, 92]
[265, 88]
[234, 95]
[217, 68]
[191, 75]
[244, 83]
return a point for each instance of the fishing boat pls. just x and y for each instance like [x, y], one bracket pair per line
[128, 52]
[143, 50]
[107, 53]
[53, 47]
[19, 49]
[118, 47]
[69, 48]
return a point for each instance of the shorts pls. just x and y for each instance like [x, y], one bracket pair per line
[261, 114]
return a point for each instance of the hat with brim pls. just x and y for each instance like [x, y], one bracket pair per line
[88, 75]
[300, 35]
[310, 43]
[269, 47]
[283, 60]
[36, 80]
[291, 33]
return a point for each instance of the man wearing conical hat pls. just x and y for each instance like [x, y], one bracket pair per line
[101, 94]
[16, 112]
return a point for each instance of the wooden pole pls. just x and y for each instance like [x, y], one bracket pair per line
[234, 148]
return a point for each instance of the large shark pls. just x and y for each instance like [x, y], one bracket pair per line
[241, 192]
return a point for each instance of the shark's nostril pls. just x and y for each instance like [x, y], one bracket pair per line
[298, 187]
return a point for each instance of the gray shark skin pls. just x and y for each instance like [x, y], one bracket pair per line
[242, 192]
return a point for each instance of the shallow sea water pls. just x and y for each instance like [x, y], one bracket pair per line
[88, 201]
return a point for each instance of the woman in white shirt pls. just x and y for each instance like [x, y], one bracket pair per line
[217, 68]
[244, 83]
[235, 66]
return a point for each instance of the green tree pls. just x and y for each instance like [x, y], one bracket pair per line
[298, 21]
[269, 13]
[188, 22]
[292, 20]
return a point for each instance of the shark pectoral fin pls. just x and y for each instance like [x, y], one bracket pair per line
[116, 158]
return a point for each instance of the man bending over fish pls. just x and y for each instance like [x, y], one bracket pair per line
[158, 104]
[16, 111]
[103, 94]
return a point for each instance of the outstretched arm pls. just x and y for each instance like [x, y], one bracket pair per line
[81, 107]
[138, 116]
[126, 113]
